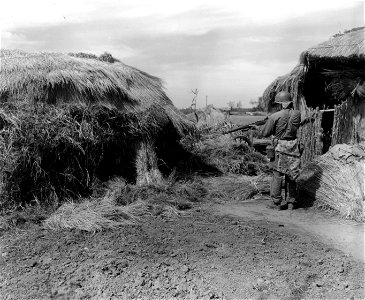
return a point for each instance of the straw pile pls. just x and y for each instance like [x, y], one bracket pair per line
[336, 181]
[125, 204]
[237, 187]
[231, 156]
[168, 191]
[95, 215]
[4, 224]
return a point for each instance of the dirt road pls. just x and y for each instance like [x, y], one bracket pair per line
[345, 235]
[203, 254]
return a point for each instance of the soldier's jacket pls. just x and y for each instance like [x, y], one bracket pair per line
[283, 125]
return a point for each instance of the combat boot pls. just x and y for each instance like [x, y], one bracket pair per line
[275, 204]
[291, 202]
[283, 205]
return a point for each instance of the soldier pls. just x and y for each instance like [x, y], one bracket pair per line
[283, 126]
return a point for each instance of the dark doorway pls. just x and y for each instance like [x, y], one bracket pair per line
[327, 124]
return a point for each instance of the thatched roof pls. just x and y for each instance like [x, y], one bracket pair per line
[56, 78]
[350, 43]
[346, 47]
[290, 82]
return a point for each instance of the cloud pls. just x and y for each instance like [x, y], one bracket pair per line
[226, 51]
[238, 81]
[19, 13]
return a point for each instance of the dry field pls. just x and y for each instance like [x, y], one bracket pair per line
[201, 254]
[244, 119]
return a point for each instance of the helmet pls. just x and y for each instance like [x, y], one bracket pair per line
[283, 97]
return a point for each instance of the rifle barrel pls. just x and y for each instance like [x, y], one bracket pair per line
[247, 126]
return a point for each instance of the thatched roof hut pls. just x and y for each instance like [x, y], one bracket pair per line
[328, 86]
[342, 58]
[329, 77]
[93, 117]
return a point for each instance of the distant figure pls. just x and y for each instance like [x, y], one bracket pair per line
[283, 126]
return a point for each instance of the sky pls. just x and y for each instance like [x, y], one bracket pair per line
[229, 50]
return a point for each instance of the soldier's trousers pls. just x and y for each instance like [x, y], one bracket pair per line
[276, 188]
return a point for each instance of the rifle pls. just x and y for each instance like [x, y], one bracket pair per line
[247, 127]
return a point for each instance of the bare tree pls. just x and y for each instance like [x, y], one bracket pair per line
[193, 102]
[258, 104]
[230, 104]
[239, 104]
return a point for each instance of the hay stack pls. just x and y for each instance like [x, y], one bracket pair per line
[336, 180]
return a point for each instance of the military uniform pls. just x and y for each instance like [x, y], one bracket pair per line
[283, 125]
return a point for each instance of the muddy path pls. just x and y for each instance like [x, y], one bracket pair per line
[345, 235]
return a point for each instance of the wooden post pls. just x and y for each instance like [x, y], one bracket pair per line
[318, 147]
[334, 127]
[310, 135]
[146, 164]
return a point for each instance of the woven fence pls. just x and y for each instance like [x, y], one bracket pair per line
[349, 122]
[310, 134]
